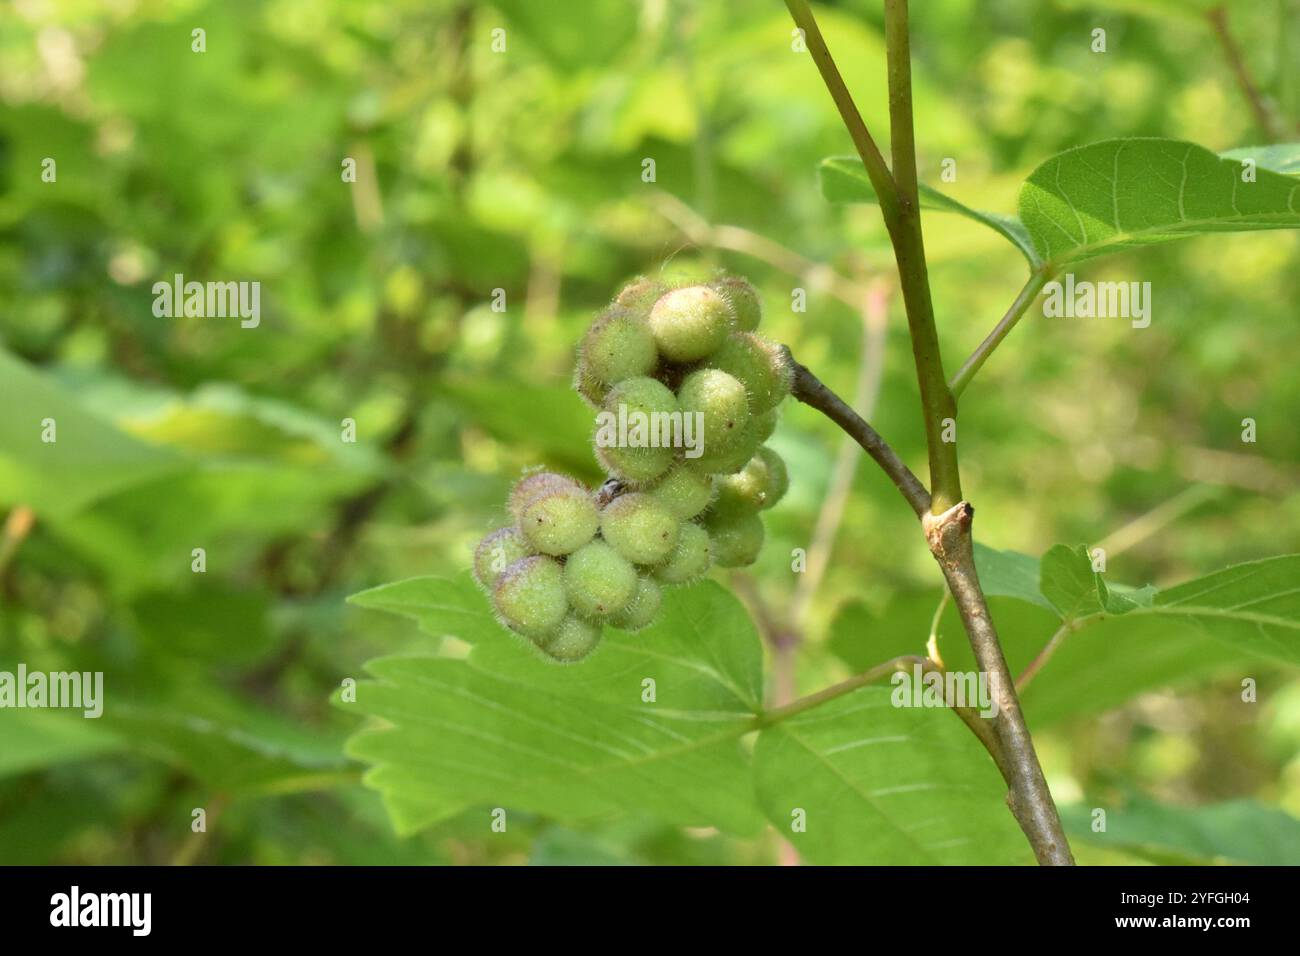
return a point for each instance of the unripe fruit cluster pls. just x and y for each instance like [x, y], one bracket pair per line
[576, 560]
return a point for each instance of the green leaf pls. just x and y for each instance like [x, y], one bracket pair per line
[1214, 624]
[89, 458]
[1238, 831]
[703, 644]
[441, 606]
[1010, 574]
[884, 785]
[1111, 195]
[506, 728]
[1139, 640]
[844, 180]
[35, 740]
[1070, 584]
[1254, 607]
[1281, 157]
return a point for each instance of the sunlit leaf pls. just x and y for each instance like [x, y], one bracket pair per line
[1121, 193]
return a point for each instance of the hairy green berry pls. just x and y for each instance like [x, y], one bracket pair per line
[745, 492]
[639, 295]
[778, 476]
[690, 559]
[560, 521]
[690, 322]
[721, 399]
[639, 527]
[757, 364]
[643, 607]
[684, 491]
[727, 461]
[530, 596]
[765, 424]
[744, 300]
[535, 484]
[619, 345]
[574, 639]
[498, 551]
[736, 539]
[635, 429]
[599, 581]
[591, 389]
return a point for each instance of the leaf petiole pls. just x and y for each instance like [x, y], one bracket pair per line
[1037, 279]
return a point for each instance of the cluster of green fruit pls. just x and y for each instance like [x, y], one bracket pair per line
[576, 560]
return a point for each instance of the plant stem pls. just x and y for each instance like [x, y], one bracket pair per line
[902, 215]
[810, 390]
[872, 159]
[902, 136]
[945, 517]
[1031, 802]
[904, 225]
[1037, 279]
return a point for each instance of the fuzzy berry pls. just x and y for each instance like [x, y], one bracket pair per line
[743, 493]
[641, 610]
[778, 477]
[498, 551]
[639, 527]
[744, 301]
[684, 491]
[722, 401]
[765, 424]
[535, 484]
[560, 522]
[757, 364]
[598, 580]
[639, 295]
[736, 540]
[530, 596]
[729, 459]
[574, 639]
[636, 400]
[690, 559]
[617, 346]
[690, 323]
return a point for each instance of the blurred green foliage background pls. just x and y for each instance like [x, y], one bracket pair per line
[521, 171]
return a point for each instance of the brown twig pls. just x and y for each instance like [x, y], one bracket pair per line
[810, 390]
[950, 540]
